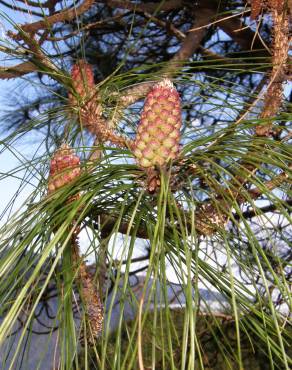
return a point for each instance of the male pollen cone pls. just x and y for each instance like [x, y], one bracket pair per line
[64, 168]
[82, 81]
[158, 133]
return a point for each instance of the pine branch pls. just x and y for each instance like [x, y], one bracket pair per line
[17, 70]
[65, 15]
[149, 7]
[243, 36]
[189, 45]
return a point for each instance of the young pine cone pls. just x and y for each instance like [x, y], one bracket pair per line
[64, 168]
[82, 81]
[158, 135]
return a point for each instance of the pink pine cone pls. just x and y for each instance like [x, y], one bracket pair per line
[158, 136]
[82, 81]
[64, 168]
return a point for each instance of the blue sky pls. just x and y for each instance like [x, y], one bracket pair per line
[15, 155]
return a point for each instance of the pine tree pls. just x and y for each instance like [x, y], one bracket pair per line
[157, 232]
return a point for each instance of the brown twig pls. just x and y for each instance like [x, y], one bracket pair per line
[169, 27]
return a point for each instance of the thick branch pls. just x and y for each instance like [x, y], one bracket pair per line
[149, 7]
[18, 70]
[244, 37]
[65, 15]
[190, 44]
